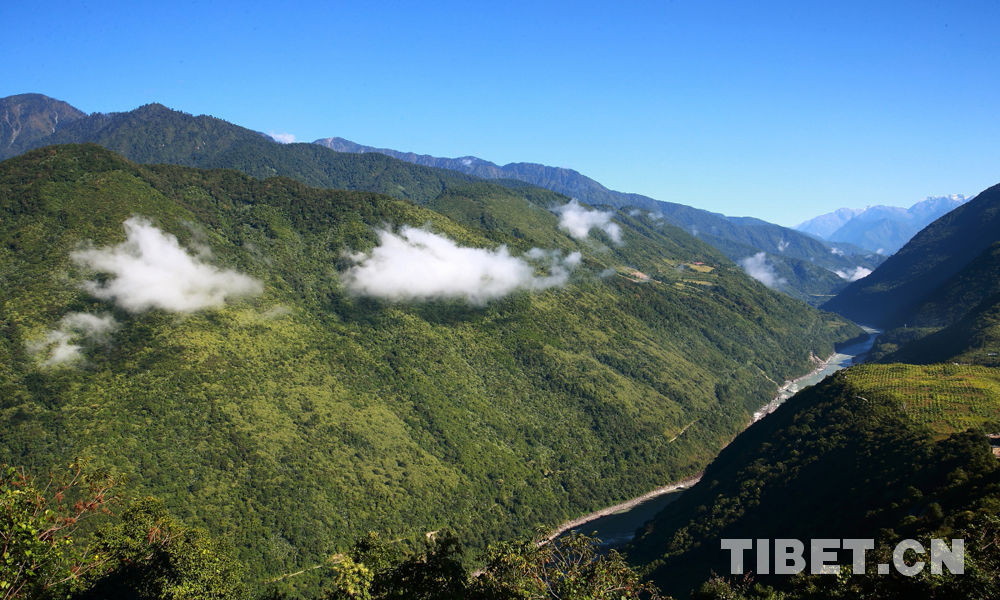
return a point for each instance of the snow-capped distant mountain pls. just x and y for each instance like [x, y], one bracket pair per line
[882, 229]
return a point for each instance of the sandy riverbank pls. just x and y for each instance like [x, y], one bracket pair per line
[623, 506]
[788, 390]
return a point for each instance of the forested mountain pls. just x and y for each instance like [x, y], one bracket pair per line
[923, 284]
[156, 134]
[794, 263]
[957, 319]
[881, 229]
[973, 339]
[883, 452]
[291, 367]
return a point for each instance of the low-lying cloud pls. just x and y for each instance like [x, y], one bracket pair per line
[856, 274]
[150, 270]
[282, 138]
[756, 266]
[652, 216]
[417, 265]
[65, 344]
[578, 221]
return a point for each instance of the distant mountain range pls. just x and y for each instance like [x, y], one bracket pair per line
[881, 229]
[938, 276]
[794, 263]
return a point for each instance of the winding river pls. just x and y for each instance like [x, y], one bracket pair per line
[617, 525]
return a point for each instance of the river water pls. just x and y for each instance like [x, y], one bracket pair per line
[619, 528]
[849, 355]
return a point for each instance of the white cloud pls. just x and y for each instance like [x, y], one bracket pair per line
[856, 274]
[150, 269]
[782, 245]
[652, 216]
[282, 138]
[417, 265]
[836, 251]
[578, 221]
[756, 266]
[64, 345]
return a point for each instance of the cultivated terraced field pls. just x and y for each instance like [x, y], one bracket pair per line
[945, 397]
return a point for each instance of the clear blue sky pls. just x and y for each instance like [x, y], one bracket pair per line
[776, 110]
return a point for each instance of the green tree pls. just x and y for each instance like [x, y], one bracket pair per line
[38, 556]
[153, 556]
[383, 570]
[571, 568]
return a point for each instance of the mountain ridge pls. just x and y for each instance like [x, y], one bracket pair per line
[805, 268]
[26, 118]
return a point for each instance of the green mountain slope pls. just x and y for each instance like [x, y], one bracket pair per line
[261, 398]
[973, 339]
[978, 281]
[972, 334]
[807, 265]
[884, 452]
[914, 282]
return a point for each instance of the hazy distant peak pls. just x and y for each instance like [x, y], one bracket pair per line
[824, 225]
